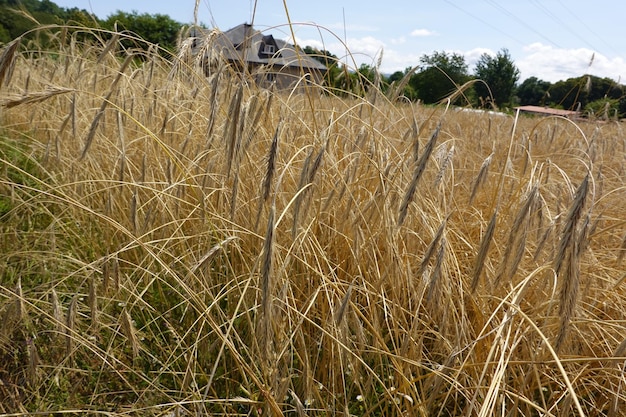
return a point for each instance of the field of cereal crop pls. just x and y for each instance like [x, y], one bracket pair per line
[177, 244]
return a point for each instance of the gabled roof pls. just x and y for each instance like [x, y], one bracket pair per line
[243, 42]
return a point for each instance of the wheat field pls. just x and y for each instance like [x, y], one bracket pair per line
[175, 243]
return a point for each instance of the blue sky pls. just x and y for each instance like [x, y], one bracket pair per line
[549, 39]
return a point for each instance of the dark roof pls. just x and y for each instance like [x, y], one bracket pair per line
[243, 42]
[548, 111]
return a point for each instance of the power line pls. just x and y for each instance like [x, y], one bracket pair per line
[483, 21]
[520, 21]
[557, 19]
[583, 24]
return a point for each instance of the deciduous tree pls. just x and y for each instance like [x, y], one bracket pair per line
[500, 74]
[440, 76]
[158, 28]
[533, 91]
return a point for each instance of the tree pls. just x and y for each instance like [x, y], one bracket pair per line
[579, 92]
[157, 29]
[500, 74]
[439, 77]
[14, 23]
[533, 91]
[333, 70]
[80, 17]
[396, 76]
[398, 80]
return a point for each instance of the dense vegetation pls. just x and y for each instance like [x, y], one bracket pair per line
[176, 244]
[18, 17]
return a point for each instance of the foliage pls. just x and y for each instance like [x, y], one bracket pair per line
[14, 22]
[604, 108]
[156, 29]
[580, 92]
[533, 91]
[440, 75]
[500, 75]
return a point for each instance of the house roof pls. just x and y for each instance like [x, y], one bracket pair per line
[243, 42]
[548, 111]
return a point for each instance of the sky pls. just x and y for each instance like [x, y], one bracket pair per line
[549, 39]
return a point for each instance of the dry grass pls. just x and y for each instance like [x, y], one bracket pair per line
[175, 244]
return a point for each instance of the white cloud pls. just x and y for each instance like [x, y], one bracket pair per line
[398, 41]
[473, 55]
[422, 33]
[395, 60]
[553, 64]
[363, 50]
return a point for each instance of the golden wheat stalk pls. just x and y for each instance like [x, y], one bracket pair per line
[483, 250]
[516, 244]
[569, 255]
[129, 330]
[481, 177]
[270, 171]
[33, 97]
[7, 61]
[70, 328]
[267, 284]
[417, 173]
[96, 121]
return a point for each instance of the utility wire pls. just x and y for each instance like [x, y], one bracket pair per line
[558, 20]
[513, 16]
[484, 22]
[583, 24]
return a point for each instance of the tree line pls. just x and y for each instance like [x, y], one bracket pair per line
[19, 17]
[494, 82]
